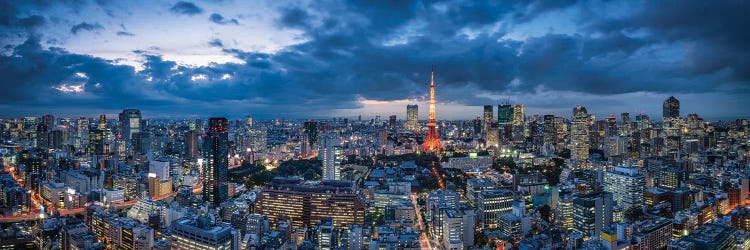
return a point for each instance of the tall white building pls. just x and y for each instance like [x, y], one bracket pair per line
[330, 154]
[458, 228]
[160, 168]
[626, 185]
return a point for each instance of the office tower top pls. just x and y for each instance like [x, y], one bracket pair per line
[671, 108]
[130, 122]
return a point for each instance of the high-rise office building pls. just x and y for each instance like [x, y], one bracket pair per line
[142, 141]
[330, 154]
[626, 185]
[458, 228]
[591, 213]
[504, 114]
[49, 120]
[215, 161]
[392, 121]
[42, 136]
[549, 129]
[191, 144]
[492, 203]
[487, 118]
[627, 124]
[412, 117]
[519, 120]
[671, 108]
[611, 123]
[310, 128]
[102, 122]
[579, 136]
[672, 125]
[130, 122]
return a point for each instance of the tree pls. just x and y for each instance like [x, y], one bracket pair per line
[545, 212]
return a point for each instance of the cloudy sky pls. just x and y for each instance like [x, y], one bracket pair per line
[319, 59]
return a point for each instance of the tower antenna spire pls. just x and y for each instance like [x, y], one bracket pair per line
[433, 139]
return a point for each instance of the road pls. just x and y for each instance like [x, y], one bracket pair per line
[424, 241]
[35, 211]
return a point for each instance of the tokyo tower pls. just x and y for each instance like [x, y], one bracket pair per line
[432, 142]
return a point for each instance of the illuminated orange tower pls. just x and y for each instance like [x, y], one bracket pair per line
[432, 142]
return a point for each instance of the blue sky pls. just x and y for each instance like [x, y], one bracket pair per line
[318, 59]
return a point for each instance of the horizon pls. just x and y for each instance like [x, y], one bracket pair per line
[314, 59]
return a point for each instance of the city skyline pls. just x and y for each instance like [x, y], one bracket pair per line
[304, 60]
[381, 124]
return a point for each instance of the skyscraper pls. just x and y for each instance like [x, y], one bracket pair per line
[487, 118]
[672, 125]
[392, 121]
[671, 108]
[311, 131]
[130, 122]
[627, 124]
[519, 120]
[49, 120]
[191, 144]
[215, 161]
[412, 117]
[579, 136]
[102, 122]
[432, 142]
[611, 122]
[504, 114]
[330, 152]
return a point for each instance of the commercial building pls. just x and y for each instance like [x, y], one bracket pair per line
[626, 185]
[306, 203]
[188, 233]
[215, 161]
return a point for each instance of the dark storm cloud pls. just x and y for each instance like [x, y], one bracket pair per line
[219, 19]
[31, 22]
[84, 26]
[185, 8]
[10, 17]
[383, 50]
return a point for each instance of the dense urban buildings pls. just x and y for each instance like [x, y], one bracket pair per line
[340, 183]
[620, 125]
